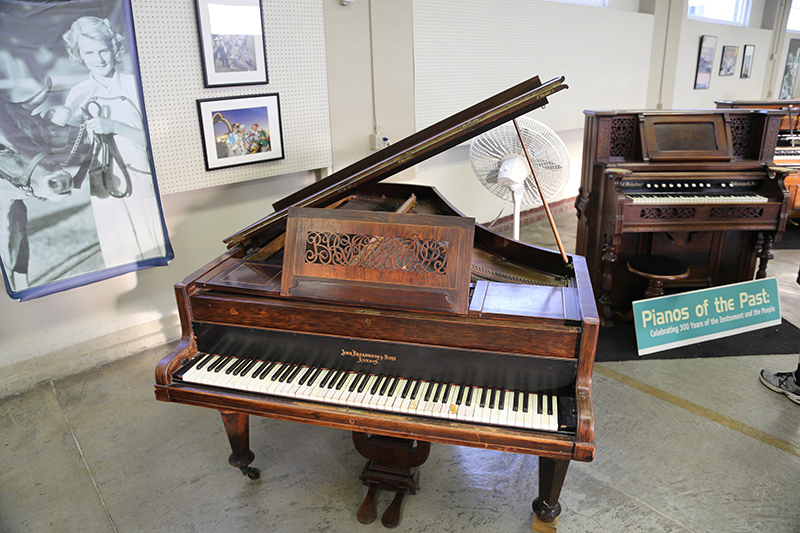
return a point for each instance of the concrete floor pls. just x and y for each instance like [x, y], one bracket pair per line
[690, 445]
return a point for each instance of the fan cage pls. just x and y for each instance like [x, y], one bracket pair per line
[547, 152]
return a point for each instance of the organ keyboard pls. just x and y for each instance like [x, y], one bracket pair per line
[695, 185]
[379, 309]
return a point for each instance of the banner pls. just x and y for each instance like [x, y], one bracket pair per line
[690, 317]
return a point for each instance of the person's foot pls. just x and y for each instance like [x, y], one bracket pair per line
[783, 382]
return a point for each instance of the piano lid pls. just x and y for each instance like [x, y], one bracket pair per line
[454, 130]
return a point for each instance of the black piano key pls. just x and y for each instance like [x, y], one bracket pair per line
[429, 391]
[293, 374]
[482, 403]
[264, 373]
[415, 390]
[460, 395]
[342, 379]
[539, 404]
[229, 369]
[501, 403]
[363, 384]
[204, 360]
[326, 379]
[446, 393]
[221, 362]
[385, 385]
[524, 402]
[314, 376]
[335, 378]
[436, 394]
[278, 371]
[491, 398]
[516, 401]
[395, 381]
[260, 368]
[550, 405]
[310, 370]
[377, 384]
[244, 370]
[355, 382]
[468, 401]
[285, 374]
[406, 389]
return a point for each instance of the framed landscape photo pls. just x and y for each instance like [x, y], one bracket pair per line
[240, 130]
[232, 42]
[727, 66]
[705, 61]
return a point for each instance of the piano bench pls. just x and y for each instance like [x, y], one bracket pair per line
[657, 269]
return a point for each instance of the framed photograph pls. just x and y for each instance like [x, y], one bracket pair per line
[727, 65]
[790, 70]
[747, 60]
[705, 61]
[232, 42]
[240, 130]
[79, 201]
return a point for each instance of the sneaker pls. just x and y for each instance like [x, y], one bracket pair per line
[781, 382]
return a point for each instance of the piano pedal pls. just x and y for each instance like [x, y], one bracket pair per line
[366, 512]
[391, 516]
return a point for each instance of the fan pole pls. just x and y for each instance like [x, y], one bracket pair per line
[541, 195]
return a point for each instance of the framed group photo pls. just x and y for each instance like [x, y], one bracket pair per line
[240, 130]
[232, 42]
[79, 201]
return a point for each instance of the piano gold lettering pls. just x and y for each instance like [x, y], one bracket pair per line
[369, 358]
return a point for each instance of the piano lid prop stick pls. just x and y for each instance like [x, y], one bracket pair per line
[541, 195]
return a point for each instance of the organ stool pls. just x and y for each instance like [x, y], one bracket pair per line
[657, 269]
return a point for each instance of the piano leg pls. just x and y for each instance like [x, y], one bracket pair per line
[764, 255]
[237, 427]
[393, 465]
[551, 478]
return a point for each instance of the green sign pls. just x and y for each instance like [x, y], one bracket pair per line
[687, 318]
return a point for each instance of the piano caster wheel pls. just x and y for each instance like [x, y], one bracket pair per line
[251, 472]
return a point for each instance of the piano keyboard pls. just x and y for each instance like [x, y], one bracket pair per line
[677, 199]
[484, 405]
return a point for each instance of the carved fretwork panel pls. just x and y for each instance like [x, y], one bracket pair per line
[745, 212]
[667, 213]
[622, 137]
[412, 254]
[741, 130]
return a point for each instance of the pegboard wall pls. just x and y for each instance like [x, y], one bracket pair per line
[468, 50]
[168, 44]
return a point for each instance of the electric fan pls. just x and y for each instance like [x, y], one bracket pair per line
[500, 162]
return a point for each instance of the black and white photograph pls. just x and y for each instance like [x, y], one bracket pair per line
[790, 70]
[78, 198]
[232, 42]
[239, 131]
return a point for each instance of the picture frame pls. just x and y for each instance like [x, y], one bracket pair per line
[747, 60]
[727, 64]
[101, 215]
[241, 130]
[790, 70]
[232, 44]
[705, 61]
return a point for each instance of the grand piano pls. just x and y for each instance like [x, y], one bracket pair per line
[379, 309]
[699, 186]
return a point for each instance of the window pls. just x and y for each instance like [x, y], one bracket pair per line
[598, 3]
[726, 11]
[794, 17]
